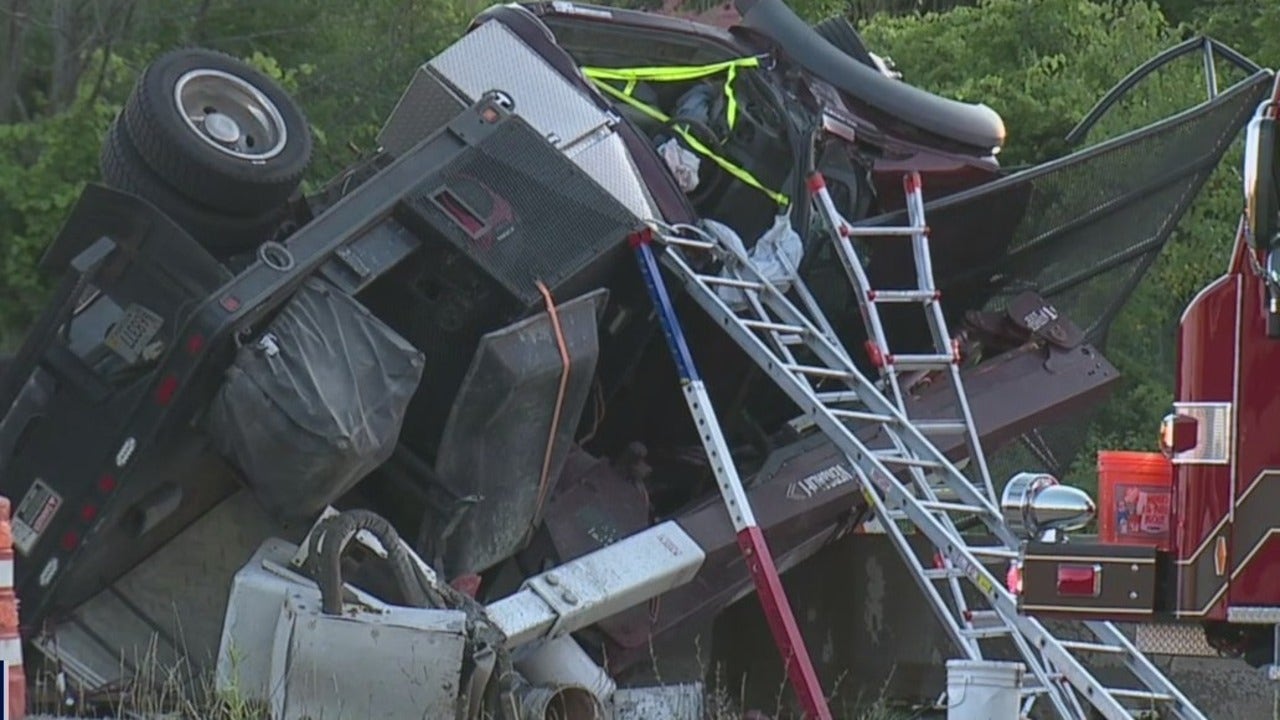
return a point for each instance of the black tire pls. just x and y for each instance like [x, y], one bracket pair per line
[191, 161]
[840, 32]
[222, 235]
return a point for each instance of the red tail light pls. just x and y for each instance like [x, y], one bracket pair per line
[166, 389]
[1013, 578]
[1080, 580]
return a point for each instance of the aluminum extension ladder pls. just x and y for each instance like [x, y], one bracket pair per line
[899, 468]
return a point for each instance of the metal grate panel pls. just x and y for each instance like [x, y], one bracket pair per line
[523, 212]
[426, 106]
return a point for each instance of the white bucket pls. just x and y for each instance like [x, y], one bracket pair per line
[983, 690]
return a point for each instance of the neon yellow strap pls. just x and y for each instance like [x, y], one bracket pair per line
[596, 74]
[681, 74]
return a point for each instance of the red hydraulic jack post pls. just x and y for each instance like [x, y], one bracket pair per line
[773, 599]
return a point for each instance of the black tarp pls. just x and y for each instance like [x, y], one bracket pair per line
[315, 402]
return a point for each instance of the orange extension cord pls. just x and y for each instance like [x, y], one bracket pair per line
[564, 384]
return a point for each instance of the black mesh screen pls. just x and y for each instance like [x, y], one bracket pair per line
[523, 212]
[1081, 231]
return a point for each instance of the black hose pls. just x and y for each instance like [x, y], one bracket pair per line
[330, 541]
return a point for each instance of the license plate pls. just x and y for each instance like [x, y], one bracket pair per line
[130, 336]
[33, 516]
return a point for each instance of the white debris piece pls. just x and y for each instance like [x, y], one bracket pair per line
[684, 164]
[776, 255]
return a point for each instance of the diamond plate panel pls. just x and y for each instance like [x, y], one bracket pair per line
[491, 57]
[607, 161]
[1172, 639]
[1254, 615]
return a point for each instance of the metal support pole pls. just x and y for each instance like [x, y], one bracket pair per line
[773, 599]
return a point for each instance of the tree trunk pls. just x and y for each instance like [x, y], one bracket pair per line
[11, 74]
[66, 69]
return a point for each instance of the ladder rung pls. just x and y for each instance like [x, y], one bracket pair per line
[900, 231]
[837, 397]
[984, 616]
[921, 362]
[952, 507]
[1092, 647]
[992, 551]
[985, 632]
[1128, 694]
[859, 415]
[688, 242]
[775, 327]
[942, 573]
[731, 282]
[892, 457]
[1036, 688]
[940, 427]
[817, 371]
[902, 296]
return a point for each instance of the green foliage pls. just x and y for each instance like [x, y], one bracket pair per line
[1040, 63]
[346, 64]
[44, 164]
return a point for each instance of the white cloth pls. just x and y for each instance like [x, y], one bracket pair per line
[776, 255]
[684, 164]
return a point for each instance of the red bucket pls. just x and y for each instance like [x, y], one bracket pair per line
[1135, 491]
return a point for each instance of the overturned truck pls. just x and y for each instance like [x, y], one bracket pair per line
[620, 302]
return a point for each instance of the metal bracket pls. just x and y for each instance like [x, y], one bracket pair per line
[593, 587]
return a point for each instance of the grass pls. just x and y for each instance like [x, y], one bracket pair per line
[155, 690]
[161, 691]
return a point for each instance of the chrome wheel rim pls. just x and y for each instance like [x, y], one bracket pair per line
[230, 115]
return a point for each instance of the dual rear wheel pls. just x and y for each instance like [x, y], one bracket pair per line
[214, 144]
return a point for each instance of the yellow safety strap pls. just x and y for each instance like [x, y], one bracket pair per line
[680, 74]
[673, 74]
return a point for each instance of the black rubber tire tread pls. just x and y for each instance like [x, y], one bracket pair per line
[222, 235]
[838, 31]
[197, 170]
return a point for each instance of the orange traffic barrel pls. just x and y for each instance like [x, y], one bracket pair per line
[1134, 497]
[10, 639]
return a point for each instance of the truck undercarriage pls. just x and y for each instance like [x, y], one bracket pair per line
[605, 321]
